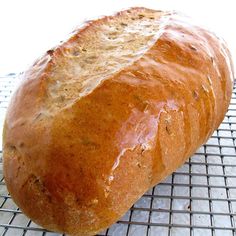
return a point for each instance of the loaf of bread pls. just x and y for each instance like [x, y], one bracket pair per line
[109, 113]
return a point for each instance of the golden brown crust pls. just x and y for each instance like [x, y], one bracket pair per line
[79, 169]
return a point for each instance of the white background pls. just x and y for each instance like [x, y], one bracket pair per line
[28, 28]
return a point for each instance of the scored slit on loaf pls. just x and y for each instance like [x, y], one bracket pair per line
[109, 113]
[100, 51]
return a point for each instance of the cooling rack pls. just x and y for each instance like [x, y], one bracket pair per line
[197, 199]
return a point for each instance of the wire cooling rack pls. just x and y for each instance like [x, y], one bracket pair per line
[198, 199]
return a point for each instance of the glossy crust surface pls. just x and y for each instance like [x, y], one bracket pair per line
[79, 168]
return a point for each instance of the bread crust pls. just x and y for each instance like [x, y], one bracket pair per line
[79, 169]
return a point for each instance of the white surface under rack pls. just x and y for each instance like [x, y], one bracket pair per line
[197, 199]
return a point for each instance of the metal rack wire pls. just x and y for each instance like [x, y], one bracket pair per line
[197, 199]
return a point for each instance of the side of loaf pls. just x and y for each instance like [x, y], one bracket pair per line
[109, 113]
